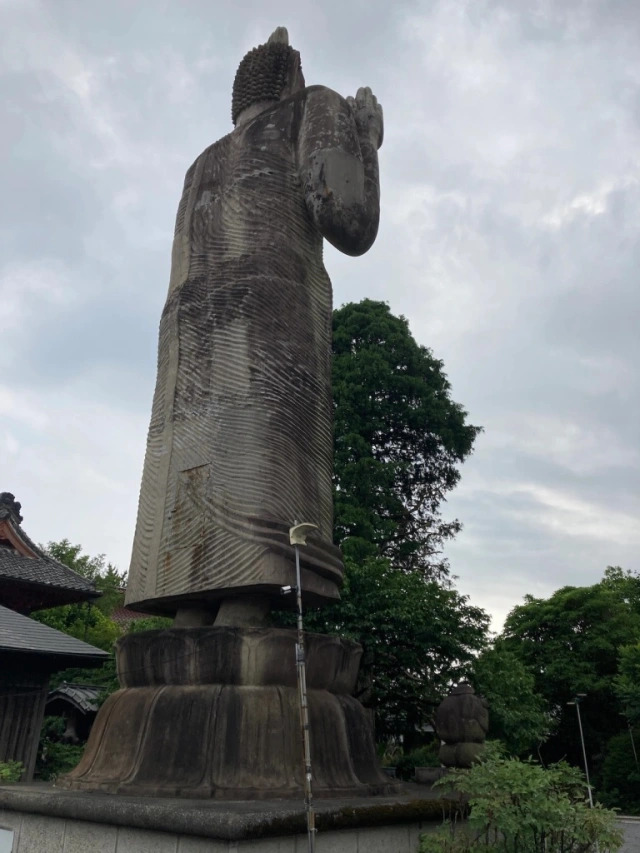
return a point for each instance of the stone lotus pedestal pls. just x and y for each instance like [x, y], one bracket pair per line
[214, 712]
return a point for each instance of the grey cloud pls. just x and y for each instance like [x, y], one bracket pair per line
[509, 238]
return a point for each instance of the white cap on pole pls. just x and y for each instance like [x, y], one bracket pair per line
[298, 534]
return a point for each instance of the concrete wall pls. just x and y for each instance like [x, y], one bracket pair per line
[39, 834]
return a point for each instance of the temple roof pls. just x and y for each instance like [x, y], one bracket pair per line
[84, 697]
[44, 571]
[24, 636]
[124, 616]
[30, 579]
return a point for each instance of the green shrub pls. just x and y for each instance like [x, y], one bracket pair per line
[52, 729]
[11, 771]
[150, 623]
[391, 753]
[56, 759]
[619, 779]
[423, 756]
[520, 807]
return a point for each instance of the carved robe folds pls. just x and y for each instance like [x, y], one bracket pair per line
[240, 441]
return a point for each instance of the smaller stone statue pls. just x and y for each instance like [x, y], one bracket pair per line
[462, 723]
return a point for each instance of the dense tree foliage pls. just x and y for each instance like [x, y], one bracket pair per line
[574, 642]
[419, 637]
[88, 621]
[399, 439]
[619, 777]
[107, 579]
[84, 621]
[517, 712]
[627, 682]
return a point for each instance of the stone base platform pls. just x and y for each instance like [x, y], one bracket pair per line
[48, 820]
[214, 713]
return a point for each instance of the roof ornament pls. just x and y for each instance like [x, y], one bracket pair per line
[10, 506]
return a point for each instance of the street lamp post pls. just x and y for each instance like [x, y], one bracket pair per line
[576, 701]
[297, 537]
[633, 743]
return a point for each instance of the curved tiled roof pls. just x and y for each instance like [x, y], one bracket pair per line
[20, 634]
[29, 578]
[81, 696]
[42, 570]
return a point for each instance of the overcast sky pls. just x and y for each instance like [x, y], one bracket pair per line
[509, 238]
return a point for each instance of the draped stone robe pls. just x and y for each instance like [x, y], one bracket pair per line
[240, 443]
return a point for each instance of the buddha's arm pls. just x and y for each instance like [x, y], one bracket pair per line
[338, 156]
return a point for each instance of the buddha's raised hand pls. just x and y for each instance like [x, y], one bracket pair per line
[368, 115]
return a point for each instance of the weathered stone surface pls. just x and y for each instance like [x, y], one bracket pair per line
[220, 820]
[428, 775]
[202, 845]
[460, 754]
[38, 834]
[395, 840]
[143, 841]
[214, 712]
[462, 722]
[240, 440]
[241, 656]
[385, 837]
[85, 837]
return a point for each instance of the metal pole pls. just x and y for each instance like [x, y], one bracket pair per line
[576, 701]
[304, 712]
[633, 743]
[584, 752]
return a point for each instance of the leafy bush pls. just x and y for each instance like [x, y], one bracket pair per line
[518, 716]
[391, 753]
[52, 729]
[423, 756]
[619, 779]
[627, 683]
[11, 771]
[520, 807]
[56, 759]
[83, 621]
[150, 623]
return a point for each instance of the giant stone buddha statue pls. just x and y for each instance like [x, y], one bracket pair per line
[240, 443]
[239, 451]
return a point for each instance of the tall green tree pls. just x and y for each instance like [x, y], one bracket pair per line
[83, 621]
[620, 773]
[107, 579]
[418, 636]
[399, 441]
[88, 621]
[571, 643]
[518, 715]
[627, 682]
[91, 621]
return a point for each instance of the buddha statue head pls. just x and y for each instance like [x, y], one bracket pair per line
[267, 74]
